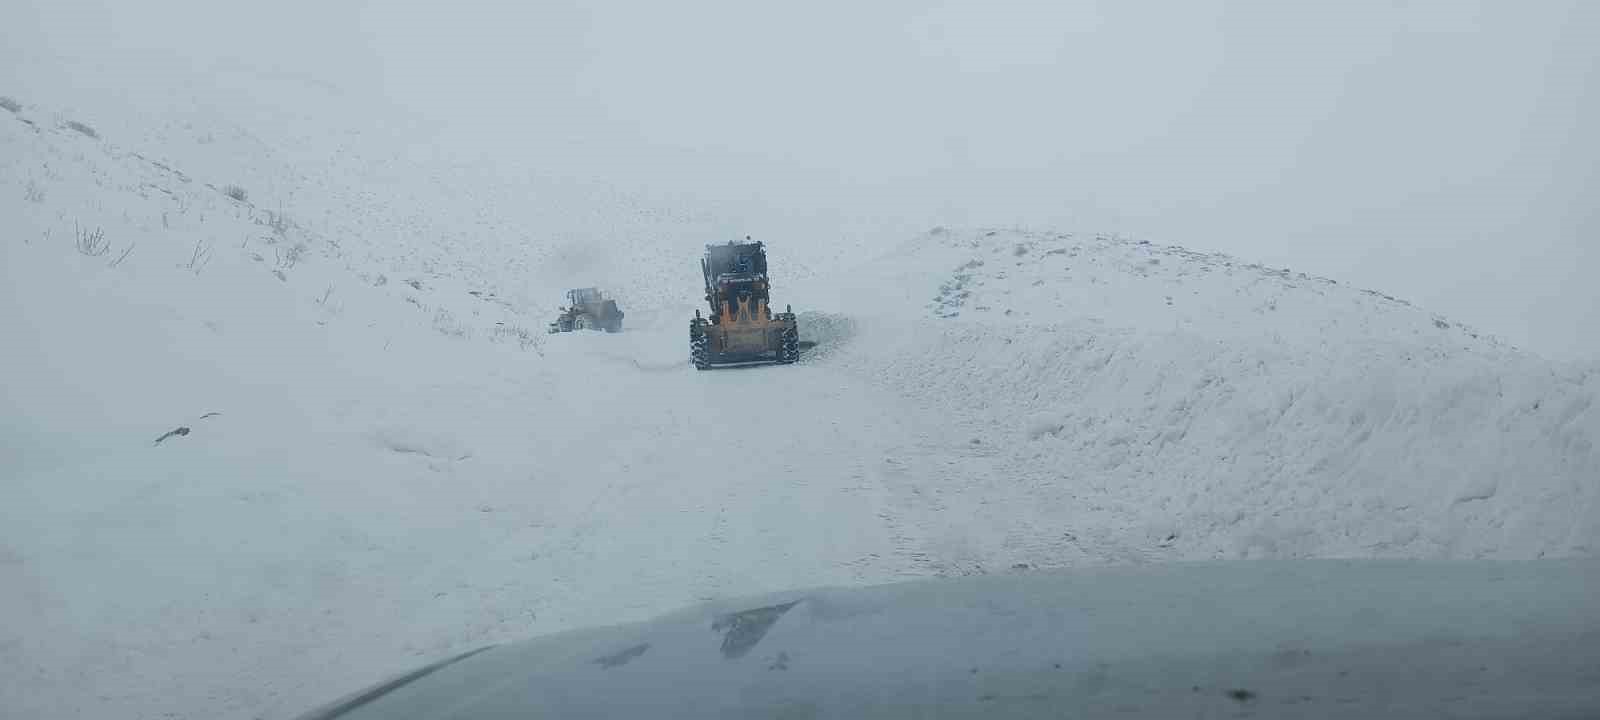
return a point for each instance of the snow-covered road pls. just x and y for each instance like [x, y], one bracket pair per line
[730, 480]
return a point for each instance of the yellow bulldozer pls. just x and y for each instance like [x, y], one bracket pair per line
[741, 327]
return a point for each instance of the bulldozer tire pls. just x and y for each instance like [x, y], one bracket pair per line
[613, 317]
[789, 350]
[699, 349]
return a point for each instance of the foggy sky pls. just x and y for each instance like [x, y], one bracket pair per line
[1438, 150]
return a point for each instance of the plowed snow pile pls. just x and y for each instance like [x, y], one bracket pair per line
[1223, 409]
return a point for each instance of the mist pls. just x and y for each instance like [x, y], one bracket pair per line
[1434, 150]
[297, 397]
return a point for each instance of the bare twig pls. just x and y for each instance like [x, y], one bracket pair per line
[287, 259]
[177, 432]
[278, 222]
[521, 335]
[200, 256]
[82, 128]
[123, 256]
[93, 244]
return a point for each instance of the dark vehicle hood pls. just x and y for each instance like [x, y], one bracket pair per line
[1300, 639]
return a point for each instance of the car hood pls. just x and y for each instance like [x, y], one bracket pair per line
[1299, 639]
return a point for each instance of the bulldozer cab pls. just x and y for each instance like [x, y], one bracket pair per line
[583, 296]
[589, 309]
[736, 260]
[735, 273]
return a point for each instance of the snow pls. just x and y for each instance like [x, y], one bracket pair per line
[1261, 413]
[388, 461]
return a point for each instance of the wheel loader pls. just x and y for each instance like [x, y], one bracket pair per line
[588, 309]
[741, 327]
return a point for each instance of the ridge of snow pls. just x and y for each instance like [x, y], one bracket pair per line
[1227, 410]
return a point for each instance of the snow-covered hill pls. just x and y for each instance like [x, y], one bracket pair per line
[1223, 409]
[385, 459]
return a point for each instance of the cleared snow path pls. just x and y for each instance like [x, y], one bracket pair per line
[708, 483]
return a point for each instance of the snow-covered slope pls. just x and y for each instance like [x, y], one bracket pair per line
[386, 460]
[1224, 409]
[384, 456]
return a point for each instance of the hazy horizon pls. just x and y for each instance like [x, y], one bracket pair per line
[1432, 150]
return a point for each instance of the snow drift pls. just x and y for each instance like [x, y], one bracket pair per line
[1241, 411]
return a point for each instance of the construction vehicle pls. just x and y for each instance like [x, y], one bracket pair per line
[742, 327]
[588, 309]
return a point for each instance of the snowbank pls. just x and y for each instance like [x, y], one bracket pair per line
[1228, 410]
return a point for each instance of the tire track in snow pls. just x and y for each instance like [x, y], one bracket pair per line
[703, 492]
[899, 506]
